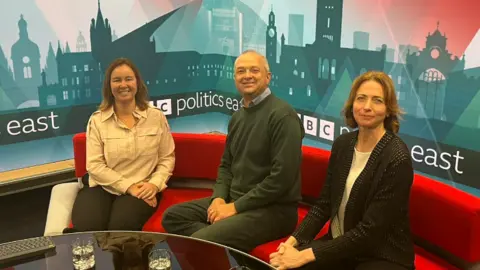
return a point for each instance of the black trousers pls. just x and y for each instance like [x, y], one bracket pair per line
[243, 231]
[350, 264]
[369, 265]
[98, 210]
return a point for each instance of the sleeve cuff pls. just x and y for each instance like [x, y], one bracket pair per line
[217, 194]
[299, 238]
[240, 205]
[121, 186]
[159, 183]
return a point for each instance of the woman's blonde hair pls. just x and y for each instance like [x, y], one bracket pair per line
[141, 97]
[394, 112]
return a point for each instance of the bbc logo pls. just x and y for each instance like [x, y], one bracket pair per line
[326, 130]
[165, 105]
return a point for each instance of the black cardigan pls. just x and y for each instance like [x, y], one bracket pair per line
[376, 222]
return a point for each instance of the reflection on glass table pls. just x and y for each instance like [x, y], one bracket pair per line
[138, 250]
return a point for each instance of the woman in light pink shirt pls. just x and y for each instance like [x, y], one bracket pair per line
[130, 156]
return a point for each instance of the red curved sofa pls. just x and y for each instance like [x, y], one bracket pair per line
[445, 221]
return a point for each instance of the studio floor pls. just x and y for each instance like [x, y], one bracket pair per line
[24, 214]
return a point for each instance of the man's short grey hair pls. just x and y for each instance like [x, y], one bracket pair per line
[262, 58]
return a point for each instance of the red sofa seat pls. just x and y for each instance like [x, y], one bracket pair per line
[445, 221]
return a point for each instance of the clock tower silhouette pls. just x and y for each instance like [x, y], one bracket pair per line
[271, 39]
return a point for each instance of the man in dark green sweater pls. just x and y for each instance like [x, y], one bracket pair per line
[257, 191]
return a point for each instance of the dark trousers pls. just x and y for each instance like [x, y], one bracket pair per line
[369, 265]
[243, 231]
[98, 210]
[350, 264]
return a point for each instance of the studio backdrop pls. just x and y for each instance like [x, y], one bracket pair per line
[54, 53]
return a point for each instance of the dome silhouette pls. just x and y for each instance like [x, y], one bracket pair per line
[29, 104]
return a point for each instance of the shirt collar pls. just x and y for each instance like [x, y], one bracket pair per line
[259, 98]
[110, 112]
[140, 113]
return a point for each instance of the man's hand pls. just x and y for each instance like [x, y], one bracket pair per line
[291, 257]
[213, 209]
[147, 190]
[224, 211]
[151, 202]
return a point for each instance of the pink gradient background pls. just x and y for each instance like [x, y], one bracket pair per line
[409, 21]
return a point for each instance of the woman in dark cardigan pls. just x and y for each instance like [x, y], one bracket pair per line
[366, 192]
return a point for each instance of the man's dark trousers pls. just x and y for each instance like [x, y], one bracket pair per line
[243, 231]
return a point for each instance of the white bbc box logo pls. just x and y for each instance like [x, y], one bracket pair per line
[165, 105]
[327, 129]
[310, 125]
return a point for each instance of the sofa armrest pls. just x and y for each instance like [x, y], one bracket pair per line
[445, 218]
[59, 213]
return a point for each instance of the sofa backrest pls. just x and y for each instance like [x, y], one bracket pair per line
[198, 155]
[314, 171]
[80, 154]
[446, 217]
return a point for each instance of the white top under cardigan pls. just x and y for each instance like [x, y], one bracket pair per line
[358, 164]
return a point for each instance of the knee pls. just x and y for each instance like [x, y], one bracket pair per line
[90, 211]
[123, 227]
[88, 225]
[127, 224]
[170, 218]
[214, 234]
[229, 239]
[207, 234]
[127, 221]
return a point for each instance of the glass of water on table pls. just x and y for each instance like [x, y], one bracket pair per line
[83, 253]
[159, 259]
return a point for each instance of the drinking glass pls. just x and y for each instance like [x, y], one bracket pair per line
[159, 259]
[83, 253]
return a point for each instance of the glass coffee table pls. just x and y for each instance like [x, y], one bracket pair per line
[136, 250]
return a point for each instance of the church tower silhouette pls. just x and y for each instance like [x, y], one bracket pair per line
[26, 61]
[100, 35]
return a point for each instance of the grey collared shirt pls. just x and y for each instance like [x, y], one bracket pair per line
[259, 98]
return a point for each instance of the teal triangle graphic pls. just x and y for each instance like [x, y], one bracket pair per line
[5, 102]
[469, 117]
[461, 134]
[336, 96]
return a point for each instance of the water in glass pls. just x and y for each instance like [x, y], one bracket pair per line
[160, 264]
[159, 259]
[83, 256]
